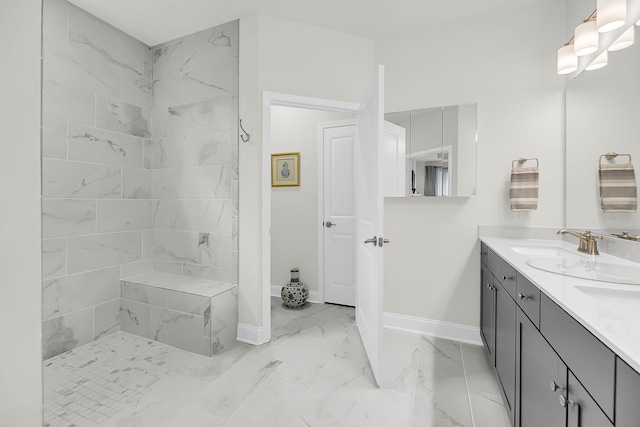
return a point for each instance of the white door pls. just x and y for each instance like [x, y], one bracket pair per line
[339, 221]
[369, 164]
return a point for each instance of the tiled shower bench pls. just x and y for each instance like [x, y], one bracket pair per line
[193, 314]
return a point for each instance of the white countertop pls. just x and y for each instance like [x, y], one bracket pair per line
[618, 329]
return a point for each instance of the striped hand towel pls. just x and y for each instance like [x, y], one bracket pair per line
[618, 191]
[524, 189]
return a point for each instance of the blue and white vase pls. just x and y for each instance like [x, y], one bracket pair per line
[295, 293]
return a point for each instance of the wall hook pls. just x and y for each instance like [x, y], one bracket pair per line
[242, 137]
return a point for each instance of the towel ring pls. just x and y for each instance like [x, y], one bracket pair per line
[612, 155]
[523, 160]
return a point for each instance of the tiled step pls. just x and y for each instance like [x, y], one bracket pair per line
[193, 314]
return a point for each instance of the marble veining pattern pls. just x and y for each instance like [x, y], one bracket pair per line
[101, 146]
[65, 179]
[89, 34]
[97, 102]
[118, 116]
[301, 378]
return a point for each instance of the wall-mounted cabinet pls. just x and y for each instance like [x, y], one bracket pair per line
[552, 371]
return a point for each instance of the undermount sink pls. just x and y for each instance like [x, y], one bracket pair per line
[623, 302]
[588, 268]
[543, 251]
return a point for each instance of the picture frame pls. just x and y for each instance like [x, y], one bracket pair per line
[285, 169]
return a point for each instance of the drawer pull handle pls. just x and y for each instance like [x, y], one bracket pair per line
[506, 278]
[522, 296]
[490, 286]
[555, 387]
[564, 402]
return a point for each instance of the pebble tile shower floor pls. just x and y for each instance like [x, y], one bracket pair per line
[314, 372]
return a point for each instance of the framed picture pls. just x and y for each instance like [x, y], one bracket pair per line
[285, 169]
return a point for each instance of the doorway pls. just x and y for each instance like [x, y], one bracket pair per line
[271, 99]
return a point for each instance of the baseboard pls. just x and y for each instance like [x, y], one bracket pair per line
[314, 296]
[433, 328]
[251, 334]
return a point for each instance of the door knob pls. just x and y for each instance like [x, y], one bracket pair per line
[564, 402]
[555, 386]
[374, 240]
[330, 224]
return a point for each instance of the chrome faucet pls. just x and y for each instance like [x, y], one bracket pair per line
[588, 244]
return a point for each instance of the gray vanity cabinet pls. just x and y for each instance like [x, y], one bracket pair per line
[487, 311]
[587, 357]
[552, 371]
[505, 346]
[627, 395]
[498, 320]
[538, 365]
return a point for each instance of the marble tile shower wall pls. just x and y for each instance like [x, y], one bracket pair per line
[109, 176]
[195, 155]
[96, 168]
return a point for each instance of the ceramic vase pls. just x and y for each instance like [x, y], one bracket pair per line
[295, 293]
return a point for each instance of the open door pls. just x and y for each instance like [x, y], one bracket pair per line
[369, 167]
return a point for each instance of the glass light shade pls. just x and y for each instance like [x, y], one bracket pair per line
[600, 61]
[626, 39]
[586, 39]
[567, 60]
[612, 14]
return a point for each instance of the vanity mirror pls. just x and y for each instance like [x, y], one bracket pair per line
[602, 110]
[441, 150]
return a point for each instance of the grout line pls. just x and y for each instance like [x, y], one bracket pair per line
[466, 382]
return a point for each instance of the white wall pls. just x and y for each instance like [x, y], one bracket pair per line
[294, 210]
[20, 231]
[288, 57]
[506, 63]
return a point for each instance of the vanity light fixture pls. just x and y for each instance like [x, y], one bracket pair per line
[586, 37]
[567, 60]
[626, 39]
[600, 61]
[612, 14]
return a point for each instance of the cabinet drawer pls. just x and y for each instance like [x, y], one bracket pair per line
[627, 392]
[582, 409]
[528, 298]
[502, 271]
[588, 358]
[484, 253]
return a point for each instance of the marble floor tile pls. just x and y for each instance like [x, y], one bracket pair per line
[381, 408]
[274, 404]
[314, 372]
[478, 371]
[401, 353]
[334, 395]
[352, 348]
[488, 410]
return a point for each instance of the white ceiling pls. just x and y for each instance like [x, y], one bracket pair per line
[157, 21]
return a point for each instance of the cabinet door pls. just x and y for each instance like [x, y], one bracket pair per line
[627, 395]
[505, 345]
[538, 366]
[487, 311]
[583, 410]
